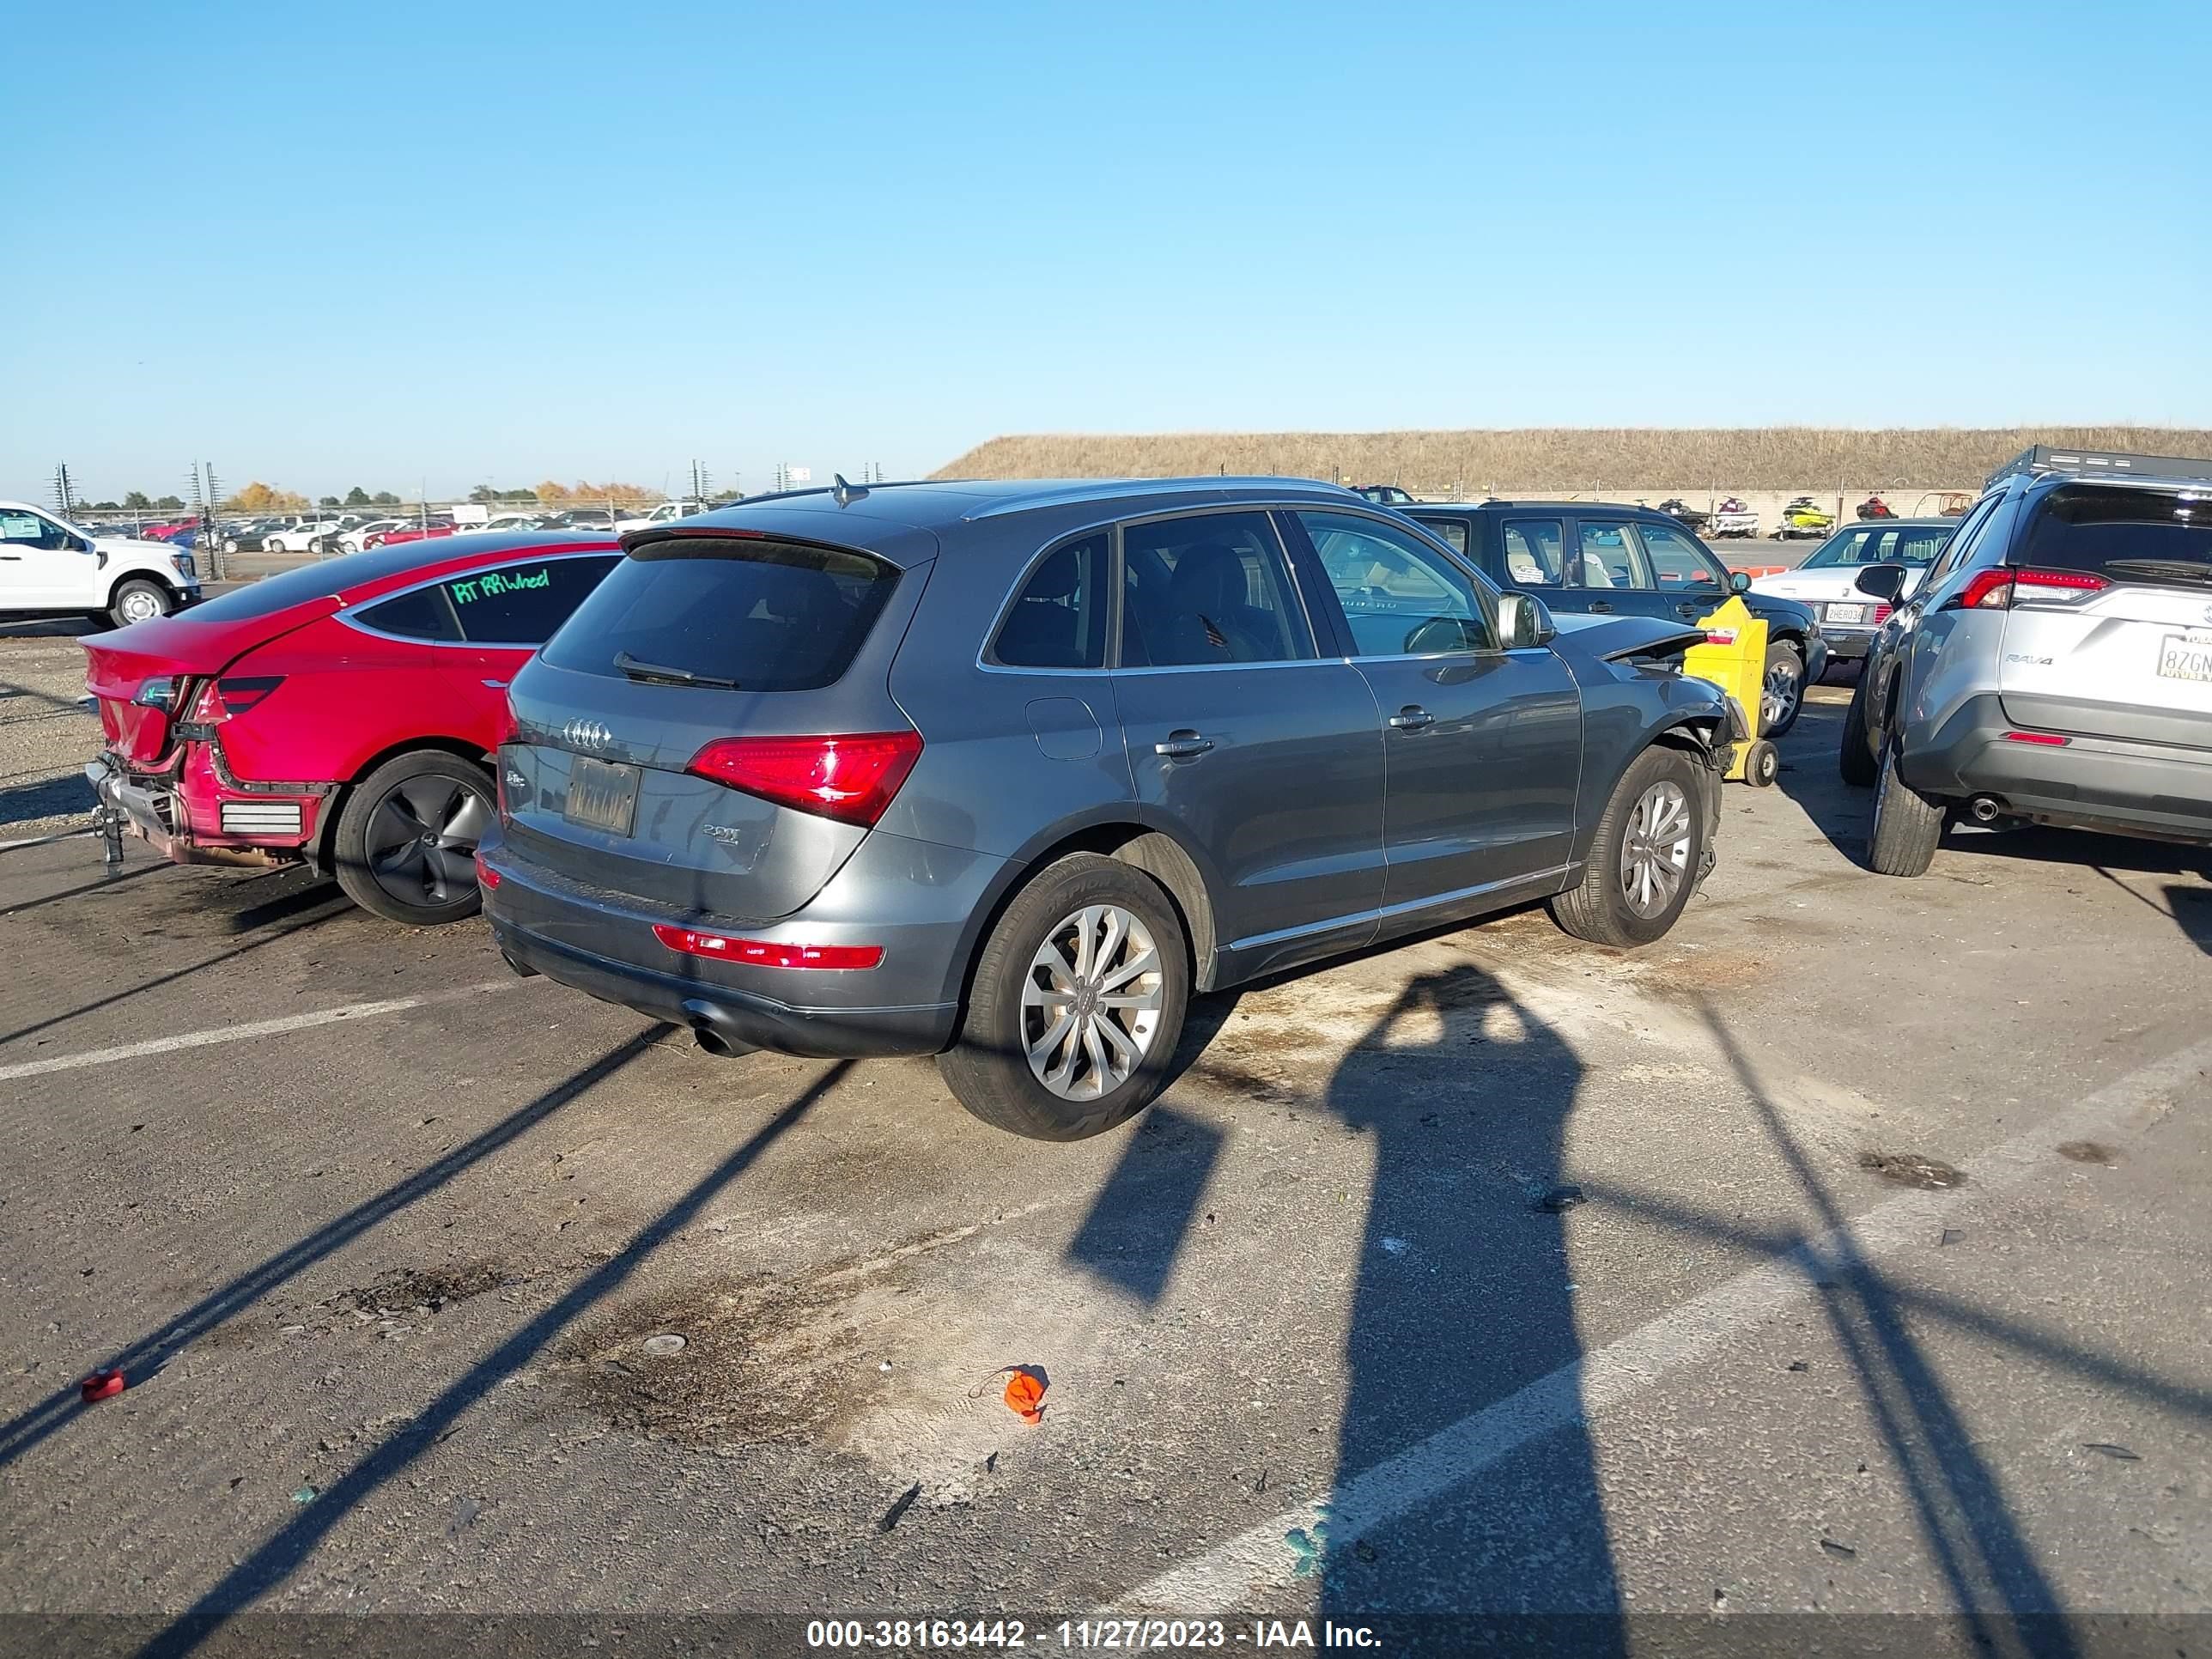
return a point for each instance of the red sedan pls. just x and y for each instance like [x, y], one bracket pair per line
[343, 715]
[410, 532]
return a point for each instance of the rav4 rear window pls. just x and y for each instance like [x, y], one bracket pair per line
[771, 616]
[2124, 535]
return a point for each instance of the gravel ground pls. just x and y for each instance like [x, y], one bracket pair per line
[46, 735]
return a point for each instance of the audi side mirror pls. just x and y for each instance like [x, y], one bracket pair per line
[1523, 622]
[1881, 581]
[1739, 581]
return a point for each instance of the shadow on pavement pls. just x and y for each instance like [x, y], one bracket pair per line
[1464, 1298]
[269, 1565]
[1461, 1295]
[151, 1351]
[327, 905]
[1997, 1586]
[67, 796]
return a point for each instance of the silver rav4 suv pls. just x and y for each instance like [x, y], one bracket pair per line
[2054, 667]
[1006, 772]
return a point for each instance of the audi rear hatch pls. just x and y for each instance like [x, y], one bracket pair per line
[713, 730]
[2109, 626]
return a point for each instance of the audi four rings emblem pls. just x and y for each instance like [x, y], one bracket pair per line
[586, 734]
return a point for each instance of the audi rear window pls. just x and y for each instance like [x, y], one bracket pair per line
[769, 616]
[2123, 535]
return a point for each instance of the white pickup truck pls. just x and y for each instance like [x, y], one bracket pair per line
[49, 567]
[666, 513]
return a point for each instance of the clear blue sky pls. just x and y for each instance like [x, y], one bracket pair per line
[464, 242]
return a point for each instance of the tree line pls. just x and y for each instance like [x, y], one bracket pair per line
[259, 498]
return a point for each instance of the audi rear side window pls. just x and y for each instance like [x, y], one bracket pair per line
[1059, 619]
[764, 616]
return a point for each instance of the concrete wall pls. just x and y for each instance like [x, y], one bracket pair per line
[1908, 502]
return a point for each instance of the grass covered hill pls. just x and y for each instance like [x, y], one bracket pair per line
[1566, 457]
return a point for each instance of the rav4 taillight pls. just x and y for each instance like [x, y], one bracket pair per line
[1997, 589]
[851, 779]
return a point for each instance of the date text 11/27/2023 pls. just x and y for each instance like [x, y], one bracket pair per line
[1137, 1635]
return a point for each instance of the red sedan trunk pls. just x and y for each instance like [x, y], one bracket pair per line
[343, 714]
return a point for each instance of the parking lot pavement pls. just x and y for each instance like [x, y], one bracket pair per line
[46, 735]
[1884, 1291]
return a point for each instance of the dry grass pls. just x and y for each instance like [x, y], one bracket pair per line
[1580, 458]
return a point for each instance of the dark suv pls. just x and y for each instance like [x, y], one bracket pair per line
[1007, 771]
[1629, 560]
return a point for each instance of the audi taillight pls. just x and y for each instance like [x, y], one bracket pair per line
[1998, 589]
[763, 953]
[1881, 613]
[852, 779]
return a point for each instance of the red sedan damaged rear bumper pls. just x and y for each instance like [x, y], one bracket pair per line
[193, 811]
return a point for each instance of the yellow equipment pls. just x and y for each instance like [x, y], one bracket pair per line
[1733, 658]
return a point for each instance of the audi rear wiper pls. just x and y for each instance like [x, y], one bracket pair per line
[666, 676]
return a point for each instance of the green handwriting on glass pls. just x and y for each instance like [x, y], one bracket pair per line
[493, 583]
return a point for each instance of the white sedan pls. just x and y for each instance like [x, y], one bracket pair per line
[300, 538]
[349, 539]
[1828, 579]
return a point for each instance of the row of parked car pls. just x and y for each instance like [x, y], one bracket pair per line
[1008, 773]
[352, 533]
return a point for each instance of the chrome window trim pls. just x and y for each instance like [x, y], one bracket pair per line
[348, 614]
[1226, 667]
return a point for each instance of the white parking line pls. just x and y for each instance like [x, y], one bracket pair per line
[43, 840]
[259, 1028]
[1259, 1557]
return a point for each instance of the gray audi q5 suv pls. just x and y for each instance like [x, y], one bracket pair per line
[1006, 772]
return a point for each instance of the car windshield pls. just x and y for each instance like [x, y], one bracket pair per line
[1877, 544]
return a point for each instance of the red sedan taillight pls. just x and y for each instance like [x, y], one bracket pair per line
[852, 779]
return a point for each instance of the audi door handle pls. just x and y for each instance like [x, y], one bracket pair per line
[495, 685]
[1601, 605]
[1182, 746]
[1411, 718]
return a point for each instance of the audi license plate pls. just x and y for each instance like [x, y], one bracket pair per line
[2185, 657]
[1847, 613]
[602, 795]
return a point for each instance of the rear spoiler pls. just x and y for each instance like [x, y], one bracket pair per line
[2101, 463]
